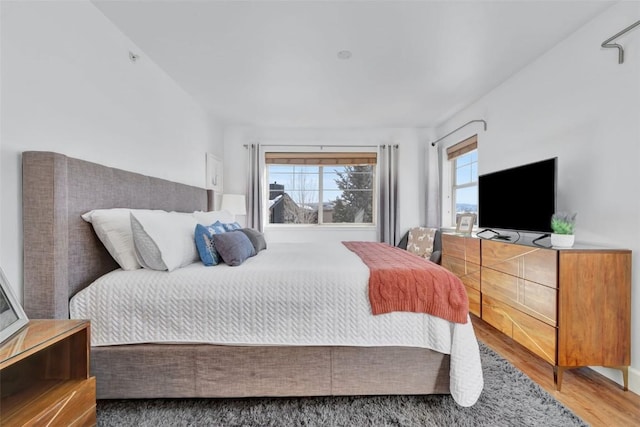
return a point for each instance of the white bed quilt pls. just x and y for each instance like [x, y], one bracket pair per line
[289, 294]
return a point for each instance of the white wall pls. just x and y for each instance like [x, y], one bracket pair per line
[576, 102]
[411, 196]
[68, 86]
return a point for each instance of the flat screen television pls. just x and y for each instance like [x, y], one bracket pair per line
[522, 198]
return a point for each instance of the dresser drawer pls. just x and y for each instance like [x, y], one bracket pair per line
[531, 263]
[537, 336]
[529, 297]
[453, 246]
[474, 301]
[468, 272]
[465, 248]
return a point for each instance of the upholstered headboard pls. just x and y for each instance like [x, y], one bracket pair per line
[62, 254]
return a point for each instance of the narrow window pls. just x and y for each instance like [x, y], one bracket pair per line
[464, 158]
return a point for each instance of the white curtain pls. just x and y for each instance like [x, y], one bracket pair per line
[388, 227]
[433, 208]
[254, 190]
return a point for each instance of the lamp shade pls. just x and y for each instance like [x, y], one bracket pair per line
[236, 204]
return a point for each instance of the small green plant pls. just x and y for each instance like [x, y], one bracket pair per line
[563, 222]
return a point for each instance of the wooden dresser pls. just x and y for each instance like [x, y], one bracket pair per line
[461, 256]
[571, 307]
[44, 376]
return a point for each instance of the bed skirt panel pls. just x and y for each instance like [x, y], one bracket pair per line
[200, 370]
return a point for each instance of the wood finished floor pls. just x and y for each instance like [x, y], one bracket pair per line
[593, 397]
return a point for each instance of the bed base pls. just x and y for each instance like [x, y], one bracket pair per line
[201, 370]
[62, 255]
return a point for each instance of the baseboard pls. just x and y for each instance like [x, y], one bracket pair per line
[616, 376]
[634, 380]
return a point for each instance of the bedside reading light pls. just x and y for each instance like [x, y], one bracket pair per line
[236, 204]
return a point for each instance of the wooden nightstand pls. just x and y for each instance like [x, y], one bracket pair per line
[44, 375]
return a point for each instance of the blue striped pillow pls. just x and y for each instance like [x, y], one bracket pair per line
[204, 242]
[230, 226]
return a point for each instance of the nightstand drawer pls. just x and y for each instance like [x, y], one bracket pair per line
[44, 376]
[53, 403]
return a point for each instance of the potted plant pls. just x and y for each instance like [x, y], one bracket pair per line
[562, 224]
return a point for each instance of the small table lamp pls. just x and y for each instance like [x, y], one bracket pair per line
[236, 204]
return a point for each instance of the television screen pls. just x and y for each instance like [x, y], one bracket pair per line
[522, 198]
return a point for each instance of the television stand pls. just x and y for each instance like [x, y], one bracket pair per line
[575, 292]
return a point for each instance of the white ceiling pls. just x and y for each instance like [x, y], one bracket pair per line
[274, 63]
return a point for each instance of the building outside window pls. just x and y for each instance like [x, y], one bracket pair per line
[321, 188]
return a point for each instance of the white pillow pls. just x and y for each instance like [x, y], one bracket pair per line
[164, 240]
[113, 228]
[208, 218]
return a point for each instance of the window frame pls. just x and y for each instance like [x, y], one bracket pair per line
[453, 154]
[455, 186]
[292, 152]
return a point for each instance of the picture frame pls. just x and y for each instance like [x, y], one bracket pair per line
[465, 223]
[12, 316]
[214, 173]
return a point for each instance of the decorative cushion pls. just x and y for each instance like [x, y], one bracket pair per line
[164, 240]
[256, 238]
[421, 241]
[113, 228]
[204, 242]
[210, 217]
[234, 247]
[231, 226]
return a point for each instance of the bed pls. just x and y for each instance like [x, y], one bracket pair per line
[63, 256]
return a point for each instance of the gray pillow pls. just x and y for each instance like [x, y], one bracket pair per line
[163, 240]
[234, 247]
[256, 238]
[147, 252]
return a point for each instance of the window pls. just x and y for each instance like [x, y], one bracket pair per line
[321, 188]
[464, 157]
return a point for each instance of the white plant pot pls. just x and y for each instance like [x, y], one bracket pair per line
[562, 240]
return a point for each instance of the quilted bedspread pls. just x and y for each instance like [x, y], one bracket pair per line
[289, 294]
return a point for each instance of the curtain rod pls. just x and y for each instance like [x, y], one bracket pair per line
[433, 144]
[316, 145]
[607, 42]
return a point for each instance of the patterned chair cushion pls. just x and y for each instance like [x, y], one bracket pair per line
[421, 241]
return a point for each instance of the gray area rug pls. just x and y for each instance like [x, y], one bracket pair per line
[509, 398]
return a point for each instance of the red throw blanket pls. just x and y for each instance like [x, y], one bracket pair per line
[402, 281]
